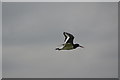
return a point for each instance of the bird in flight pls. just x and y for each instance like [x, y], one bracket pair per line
[68, 42]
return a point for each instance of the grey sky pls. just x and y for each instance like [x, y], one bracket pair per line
[31, 32]
[60, 0]
[0, 39]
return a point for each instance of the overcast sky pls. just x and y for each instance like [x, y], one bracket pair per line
[0, 39]
[32, 31]
[60, 0]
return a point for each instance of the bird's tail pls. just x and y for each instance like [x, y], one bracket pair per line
[57, 49]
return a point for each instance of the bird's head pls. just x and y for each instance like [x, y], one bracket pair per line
[77, 45]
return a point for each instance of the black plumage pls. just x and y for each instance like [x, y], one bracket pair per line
[68, 45]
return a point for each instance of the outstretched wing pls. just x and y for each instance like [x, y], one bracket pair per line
[68, 37]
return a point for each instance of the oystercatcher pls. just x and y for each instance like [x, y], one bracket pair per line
[69, 45]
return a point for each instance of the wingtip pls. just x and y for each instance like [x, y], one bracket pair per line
[64, 32]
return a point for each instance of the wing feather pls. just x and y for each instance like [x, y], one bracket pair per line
[68, 37]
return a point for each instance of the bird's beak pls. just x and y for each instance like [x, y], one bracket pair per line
[81, 46]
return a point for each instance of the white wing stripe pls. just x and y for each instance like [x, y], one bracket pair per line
[67, 38]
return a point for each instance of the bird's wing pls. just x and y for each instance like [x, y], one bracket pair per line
[65, 36]
[68, 37]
